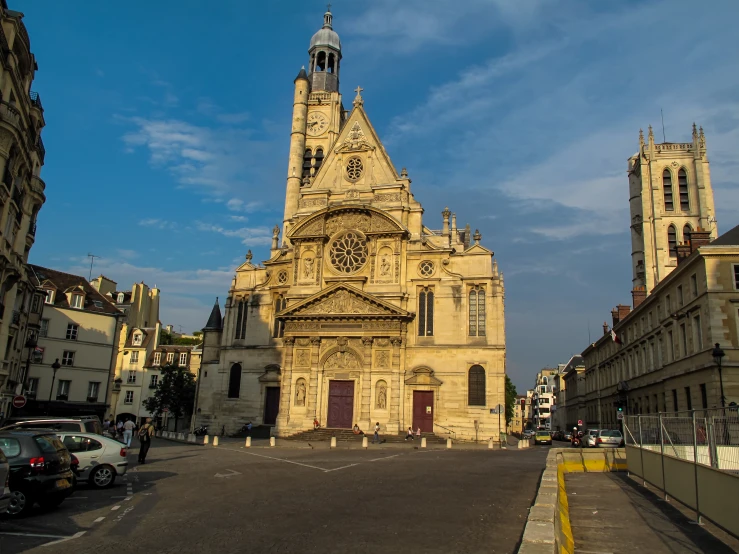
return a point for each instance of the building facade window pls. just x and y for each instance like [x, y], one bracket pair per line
[62, 391]
[426, 312]
[154, 381]
[93, 388]
[183, 358]
[49, 297]
[736, 276]
[688, 399]
[704, 397]
[697, 334]
[670, 347]
[32, 389]
[680, 299]
[672, 240]
[170, 357]
[68, 358]
[131, 377]
[682, 185]
[234, 381]
[157, 358]
[667, 186]
[674, 400]
[279, 325]
[77, 301]
[137, 339]
[684, 339]
[120, 298]
[694, 286]
[44, 330]
[35, 304]
[71, 331]
[134, 357]
[477, 311]
[129, 397]
[476, 386]
[241, 315]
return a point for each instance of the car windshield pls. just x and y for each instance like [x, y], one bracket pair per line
[10, 447]
[542, 433]
[610, 434]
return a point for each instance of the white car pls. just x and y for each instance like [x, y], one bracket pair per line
[591, 437]
[4, 480]
[101, 458]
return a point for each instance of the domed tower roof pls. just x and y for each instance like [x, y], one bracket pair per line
[326, 36]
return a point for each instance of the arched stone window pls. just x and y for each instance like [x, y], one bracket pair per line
[318, 159]
[234, 381]
[306, 162]
[476, 386]
[477, 311]
[687, 231]
[241, 316]
[672, 240]
[279, 328]
[426, 312]
[321, 62]
[667, 186]
[331, 64]
[682, 184]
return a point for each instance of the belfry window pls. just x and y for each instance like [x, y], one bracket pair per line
[241, 316]
[312, 162]
[476, 386]
[306, 162]
[279, 330]
[318, 160]
[672, 240]
[667, 186]
[682, 184]
[321, 62]
[234, 381]
[426, 312]
[477, 312]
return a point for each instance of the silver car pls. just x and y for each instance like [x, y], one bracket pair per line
[101, 458]
[590, 437]
[609, 438]
[4, 480]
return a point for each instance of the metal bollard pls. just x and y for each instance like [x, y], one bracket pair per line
[364, 442]
[206, 439]
[423, 442]
[271, 441]
[449, 443]
[247, 444]
[215, 440]
[333, 442]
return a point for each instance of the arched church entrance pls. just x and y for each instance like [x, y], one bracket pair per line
[340, 391]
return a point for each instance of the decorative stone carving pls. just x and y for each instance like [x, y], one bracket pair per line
[342, 360]
[288, 341]
[315, 341]
[381, 325]
[313, 228]
[389, 197]
[308, 268]
[343, 302]
[282, 277]
[396, 341]
[347, 220]
[355, 140]
[303, 342]
[302, 357]
[385, 266]
[354, 169]
[367, 341]
[382, 342]
[381, 402]
[300, 392]
[352, 194]
[312, 202]
[380, 224]
[348, 252]
[302, 326]
[383, 358]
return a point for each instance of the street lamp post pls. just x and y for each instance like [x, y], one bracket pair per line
[55, 366]
[718, 356]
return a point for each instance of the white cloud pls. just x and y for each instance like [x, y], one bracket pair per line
[250, 236]
[238, 205]
[159, 223]
[127, 254]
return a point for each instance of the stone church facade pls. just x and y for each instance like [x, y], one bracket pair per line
[362, 313]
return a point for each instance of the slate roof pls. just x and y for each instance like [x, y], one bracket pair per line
[729, 238]
[149, 334]
[65, 281]
[215, 321]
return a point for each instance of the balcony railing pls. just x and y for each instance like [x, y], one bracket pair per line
[35, 100]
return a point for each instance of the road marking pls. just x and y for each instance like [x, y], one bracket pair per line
[273, 458]
[117, 497]
[114, 508]
[386, 458]
[40, 536]
[98, 520]
[231, 474]
[65, 539]
[338, 468]
[77, 497]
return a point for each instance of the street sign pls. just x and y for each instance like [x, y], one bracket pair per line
[620, 415]
[165, 410]
[579, 421]
[19, 401]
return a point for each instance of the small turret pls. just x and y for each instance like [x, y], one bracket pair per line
[215, 321]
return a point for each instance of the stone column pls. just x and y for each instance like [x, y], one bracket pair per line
[283, 417]
[313, 400]
[366, 383]
[395, 386]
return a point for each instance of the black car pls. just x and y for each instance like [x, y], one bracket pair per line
[40, 469]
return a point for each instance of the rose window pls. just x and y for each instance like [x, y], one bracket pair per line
[354, 169]
[348, 252]
[426, 268]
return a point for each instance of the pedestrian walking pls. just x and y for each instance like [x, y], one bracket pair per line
[409, 434]
[376, 437]
[128, 427]
[418, 433]
[119, 430]
[145, 434]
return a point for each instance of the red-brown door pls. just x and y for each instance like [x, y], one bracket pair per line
[423, 410]
[271, 405]
[340, 404]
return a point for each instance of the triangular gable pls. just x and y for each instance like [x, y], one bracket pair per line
[357, 136]
[343, 300]
[48, 285]
[477, 250]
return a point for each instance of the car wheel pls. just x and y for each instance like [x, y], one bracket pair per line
[102, 477]
[50, 502]
[20, 503]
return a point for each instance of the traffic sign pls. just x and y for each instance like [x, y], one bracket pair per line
[620, 415]
[579, 421]
[19, 401]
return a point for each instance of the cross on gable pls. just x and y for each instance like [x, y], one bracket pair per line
[358, 90]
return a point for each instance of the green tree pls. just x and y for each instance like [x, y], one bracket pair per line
[165, 338]
[510, 399]
[183, 341]
[175, 392]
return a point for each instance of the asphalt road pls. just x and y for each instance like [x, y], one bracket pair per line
[229, 499]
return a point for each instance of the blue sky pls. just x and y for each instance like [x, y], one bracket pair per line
[168, 126]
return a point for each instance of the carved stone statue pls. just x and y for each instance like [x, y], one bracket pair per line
[300, 393]
[385, 267]
[308, 268]
[341, 360]
[381, 397]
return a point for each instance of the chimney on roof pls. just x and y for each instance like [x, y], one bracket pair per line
[620, 312]
[683, 251]
[638, 295]
[699, 238]
[614, 316]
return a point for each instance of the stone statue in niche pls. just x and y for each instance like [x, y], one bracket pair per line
[308, 268]
[385, 266]
[300, 393]
[381, 397]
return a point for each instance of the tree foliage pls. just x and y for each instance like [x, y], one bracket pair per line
[510, 399]
[165, 338]
[175, 391]
[184, 341]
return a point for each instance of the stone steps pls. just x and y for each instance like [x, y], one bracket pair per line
[347, 435]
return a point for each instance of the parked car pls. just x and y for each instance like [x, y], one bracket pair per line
[609, 438]
[101, 459]
[40, 469]
[543, 437]
[528, 433]
[4, 477]
[82, 424]
[590, 437]
[568, 435]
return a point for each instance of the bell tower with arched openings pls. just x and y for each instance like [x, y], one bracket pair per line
[670, 197]
[325, 57]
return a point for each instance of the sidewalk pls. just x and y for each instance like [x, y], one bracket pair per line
[610, 512]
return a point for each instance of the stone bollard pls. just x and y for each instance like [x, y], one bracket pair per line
[271, 441]
[190, 437]
[490, 444]
[247, 444]
[158, 433]
[215, 440]
[449, 443]
[423, 442]
[206, 439]
[181, 436]
[333, 442]
[364, 441]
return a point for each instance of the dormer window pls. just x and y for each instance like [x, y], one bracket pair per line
[120, 298]
[170, 357]
[157, 358]
[183, 358]
[77, 301]
[49, 296]
[137, 338]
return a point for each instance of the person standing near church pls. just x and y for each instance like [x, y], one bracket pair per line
[128, 427]
[145, 435]
[376, 438]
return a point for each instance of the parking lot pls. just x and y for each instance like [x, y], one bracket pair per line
[230, 499]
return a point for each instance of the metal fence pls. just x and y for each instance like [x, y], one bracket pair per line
[707, 437]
